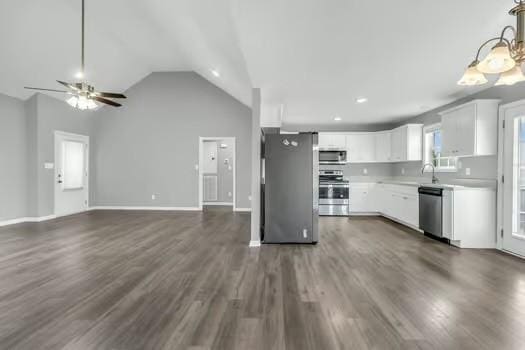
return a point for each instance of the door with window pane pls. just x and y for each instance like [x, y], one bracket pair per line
[71, 173]
[514, 179]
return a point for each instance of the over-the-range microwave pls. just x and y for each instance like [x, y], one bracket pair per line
[332, 156]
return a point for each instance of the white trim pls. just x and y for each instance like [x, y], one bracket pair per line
[243, 209]
[431, 128]
[234, 165]
[56, 152]
[501, 164]
[500, 224]
[218, 203]
[26, 219]
[102, 207]
[254, 244]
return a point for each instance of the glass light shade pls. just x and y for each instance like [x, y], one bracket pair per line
[472, 76]
[497, 61]
[82, 102]
[511, 77]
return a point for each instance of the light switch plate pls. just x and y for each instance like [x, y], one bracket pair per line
[365, 171]
[402, 171]
[467, 171]
[49, 166]
[153, 197]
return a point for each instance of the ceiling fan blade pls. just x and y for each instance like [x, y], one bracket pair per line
[110, 95]
[70, 86]
[106, 101]
[41, 89]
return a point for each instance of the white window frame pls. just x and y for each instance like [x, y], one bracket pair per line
[439, 169]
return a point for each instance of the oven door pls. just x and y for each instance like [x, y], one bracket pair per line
[334, 194]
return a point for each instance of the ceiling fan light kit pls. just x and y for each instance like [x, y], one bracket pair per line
[83, 94]
[505, 58]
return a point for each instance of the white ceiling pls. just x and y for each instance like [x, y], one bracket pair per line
[314, 57]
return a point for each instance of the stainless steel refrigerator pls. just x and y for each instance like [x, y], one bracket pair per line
[291, 188]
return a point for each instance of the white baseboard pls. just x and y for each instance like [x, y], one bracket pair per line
[26, 219]
[365, 214]
[219, 203]
[243, 209]
[255, 244]
[145, 208]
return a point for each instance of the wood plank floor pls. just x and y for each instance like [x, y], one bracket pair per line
[165, 280]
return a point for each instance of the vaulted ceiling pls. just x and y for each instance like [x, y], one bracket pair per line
[314, 57]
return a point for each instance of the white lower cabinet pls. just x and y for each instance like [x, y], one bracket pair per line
[395, 201]
[469, 214]
[469, 217]
[362, 198]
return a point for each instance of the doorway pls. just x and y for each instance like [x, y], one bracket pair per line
[217, 178]
[512, 180]
[71, 173]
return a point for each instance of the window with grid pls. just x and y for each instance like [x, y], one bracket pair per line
[432, 150]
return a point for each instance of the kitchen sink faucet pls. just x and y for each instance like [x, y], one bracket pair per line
[435, 180]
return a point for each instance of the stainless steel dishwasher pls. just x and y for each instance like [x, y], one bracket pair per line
[431, 210]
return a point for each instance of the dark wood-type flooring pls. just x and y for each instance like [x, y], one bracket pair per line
[187, 280]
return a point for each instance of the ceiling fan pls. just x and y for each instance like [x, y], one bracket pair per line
[84, 95]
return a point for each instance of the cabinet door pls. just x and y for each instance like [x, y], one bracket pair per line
[361, 200]
[448, 135]
[466, 131]
[383, 146]
[410, 210]
[361, 148]
[332, 141]
[399, 145]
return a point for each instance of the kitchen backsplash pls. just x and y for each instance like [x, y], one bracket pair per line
[480, 168]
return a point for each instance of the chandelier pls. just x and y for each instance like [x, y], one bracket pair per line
[505, 57]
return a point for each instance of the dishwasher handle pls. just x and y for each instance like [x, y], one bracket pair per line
[431, 191]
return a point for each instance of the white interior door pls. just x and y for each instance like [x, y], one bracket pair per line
[71, 173]
[210, 154]
[514, 184]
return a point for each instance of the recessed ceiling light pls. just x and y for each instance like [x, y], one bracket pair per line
[215, 73]
[361, 100]
[338, 119]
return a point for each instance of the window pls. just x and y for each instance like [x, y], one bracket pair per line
[72, 165]
[518, 227]
[432, 150]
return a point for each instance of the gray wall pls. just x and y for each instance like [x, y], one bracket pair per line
[13, 158]
[53, 114]
[150, 145]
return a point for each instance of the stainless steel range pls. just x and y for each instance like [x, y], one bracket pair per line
[334, 193]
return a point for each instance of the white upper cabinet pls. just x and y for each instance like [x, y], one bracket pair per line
[406, 143]
[399, 145]
[332, 141]
[383, 146]
[470, 129]
[361, 147]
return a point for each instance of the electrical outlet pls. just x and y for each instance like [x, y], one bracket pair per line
[467, 171]
[153, 197]
[250, 198]
[402, 171]
[365, 171]
[305, 233]
[197, 167]
[229, 194]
